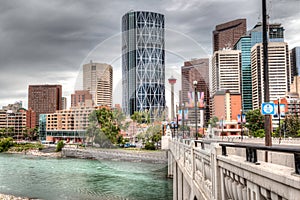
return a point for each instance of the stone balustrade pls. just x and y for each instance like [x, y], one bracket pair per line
[202, 172]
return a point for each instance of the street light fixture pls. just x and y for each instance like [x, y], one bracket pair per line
[241, 124]
[182, 110]
[203, 117]
[279, 120]
[196, 121]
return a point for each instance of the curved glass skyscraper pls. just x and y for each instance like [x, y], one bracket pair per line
[143, 62]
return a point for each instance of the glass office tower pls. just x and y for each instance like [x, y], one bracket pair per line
[143, 62]
[244, 45]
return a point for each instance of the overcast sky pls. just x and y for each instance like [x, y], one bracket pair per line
[46, 42]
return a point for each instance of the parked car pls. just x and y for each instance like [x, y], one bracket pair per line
[127, 145]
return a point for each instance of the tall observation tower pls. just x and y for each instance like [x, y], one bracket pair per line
[143, 62]
[172, 82]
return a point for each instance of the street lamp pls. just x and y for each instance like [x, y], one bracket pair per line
[203, 117]
[196, 121]
[241, 124]
[279, 120]
[182, 110]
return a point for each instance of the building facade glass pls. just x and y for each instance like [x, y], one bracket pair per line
[244, 45]
[295, 61]
[143, 62]
[275, 33]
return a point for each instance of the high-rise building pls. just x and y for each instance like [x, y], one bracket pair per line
[44, 99]
[226, 75]
[226, 65]
[227, 111]
[275, 33]
[64, 103]
[69, 125]
[228, 106]
[98, 80]
[227, 34]
[244, 45]
[80, 97]
[295, 61]
[279, 72]
[295, 86]
[13, 107]
[195, 70]
[16, 121]
[143, 62]
[30, 118]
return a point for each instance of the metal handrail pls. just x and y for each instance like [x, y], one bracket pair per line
[251, 151]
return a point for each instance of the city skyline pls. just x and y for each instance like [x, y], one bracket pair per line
[48, 42]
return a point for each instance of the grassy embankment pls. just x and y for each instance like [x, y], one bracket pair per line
[7, 144]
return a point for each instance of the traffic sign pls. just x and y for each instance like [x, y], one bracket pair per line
[268, 108]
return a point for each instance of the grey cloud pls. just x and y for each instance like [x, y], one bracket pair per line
[47, 41]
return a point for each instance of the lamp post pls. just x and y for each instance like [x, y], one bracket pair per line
[195, 97]
[203, 118]
[278, 107]
[177, 125]
[222, 126]
[267, 126]
[182, 120]
[241, 124]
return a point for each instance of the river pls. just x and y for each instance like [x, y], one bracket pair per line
[53, 179]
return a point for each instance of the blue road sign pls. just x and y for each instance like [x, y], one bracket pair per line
[268, 108]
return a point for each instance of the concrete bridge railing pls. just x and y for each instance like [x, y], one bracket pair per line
[204, 173]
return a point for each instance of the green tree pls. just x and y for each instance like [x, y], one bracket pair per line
[259, 133]
[5, 144]
[292, 125]
[213, 121]
[119, 118]
[152, 136]
[276, 133]
[137, 117]
[108, 125]
[93, 129]
[59, 146]
[2, 132]
[255, 121]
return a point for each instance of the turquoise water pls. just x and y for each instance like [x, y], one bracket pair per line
[49, 178]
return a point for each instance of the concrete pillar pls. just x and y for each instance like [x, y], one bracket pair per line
[165, 140]
[170, 164]
[216, 178]
[179, 184]
[175, 181]
[186, 189]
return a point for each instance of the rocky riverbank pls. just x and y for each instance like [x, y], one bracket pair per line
[10, 197]
[116, 154]
[36, 152]
[134, 155]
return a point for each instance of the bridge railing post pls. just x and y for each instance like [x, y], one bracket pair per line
[215, 172]
[297, 162]
[193, 159]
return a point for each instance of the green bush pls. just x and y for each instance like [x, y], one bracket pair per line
[5, 144]
[259, 133]
[149, 146]
[59, 146]
[26, 146]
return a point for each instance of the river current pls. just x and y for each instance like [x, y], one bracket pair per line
[53, 179]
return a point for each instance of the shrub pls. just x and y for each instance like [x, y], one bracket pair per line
[5, 144]
[59, 145]
[259, 133]
[26, 146]
[149, 146]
